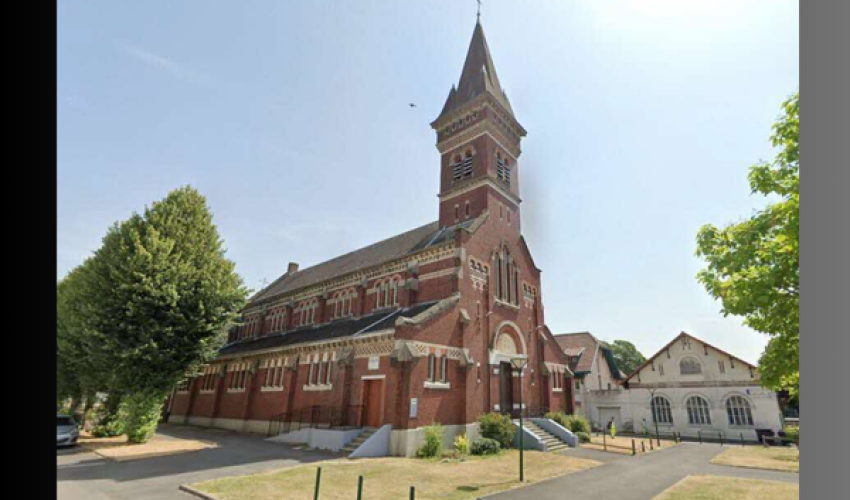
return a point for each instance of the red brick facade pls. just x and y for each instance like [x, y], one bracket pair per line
[484, 312]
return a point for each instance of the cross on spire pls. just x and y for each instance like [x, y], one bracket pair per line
[478, 14]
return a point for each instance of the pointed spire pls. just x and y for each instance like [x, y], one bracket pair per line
[478, 75]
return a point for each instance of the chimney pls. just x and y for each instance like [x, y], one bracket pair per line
[293, 267]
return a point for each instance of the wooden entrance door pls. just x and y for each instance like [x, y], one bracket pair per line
[373, 402]
[506, 388]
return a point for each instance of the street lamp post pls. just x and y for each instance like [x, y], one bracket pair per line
[654, 413]
[519, 363]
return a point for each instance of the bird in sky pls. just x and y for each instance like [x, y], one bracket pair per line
[412, 105]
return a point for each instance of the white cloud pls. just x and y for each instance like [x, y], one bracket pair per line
[164, 63]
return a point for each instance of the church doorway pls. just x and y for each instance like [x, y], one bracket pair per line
[506, 388]
[373, 402]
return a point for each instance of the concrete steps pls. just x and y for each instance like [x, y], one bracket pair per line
[356, 442]
[553, 444]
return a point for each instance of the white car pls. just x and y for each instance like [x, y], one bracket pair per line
[66, 431]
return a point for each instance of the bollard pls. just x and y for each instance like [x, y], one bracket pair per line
[699, 434]
[658, 439]
[412, 493]
[634, 448]
[742, 439]
[360, 488]
[604, 444]
[642, 446]
[651, 447]
[318, 483]
[721, 438]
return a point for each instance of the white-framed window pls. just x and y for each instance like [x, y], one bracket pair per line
[444, 369]
[557, 381]
[208, 379]
[507, 278]
[698, 411]
[311, 377]
[238, 377]
[328, 370]
[661, 410]
[378, 295]
[739, 412]
[308, 312]
[432, 368]
[183, 386]
[690, 366]
[274, 374]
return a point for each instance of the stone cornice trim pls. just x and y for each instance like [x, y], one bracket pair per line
[484, 181]
[313, 347]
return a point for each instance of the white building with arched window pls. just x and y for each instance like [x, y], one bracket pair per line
[693, 388]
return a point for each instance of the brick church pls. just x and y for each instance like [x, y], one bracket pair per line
[414, 329]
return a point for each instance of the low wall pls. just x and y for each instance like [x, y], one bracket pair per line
[378, 444]
[405, 442]
[321, 439]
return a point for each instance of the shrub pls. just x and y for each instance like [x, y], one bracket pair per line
[485, 446]
[462, 444]
[792, 433]
[573, 423]
[140, 414]
[497, 427]
[433, 444]
[583, 437]
[559, 418]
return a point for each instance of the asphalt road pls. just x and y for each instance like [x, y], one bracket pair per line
[624, 477]
[83, 475]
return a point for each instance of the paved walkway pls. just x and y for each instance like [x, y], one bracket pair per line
[83, 475]
[638, 478]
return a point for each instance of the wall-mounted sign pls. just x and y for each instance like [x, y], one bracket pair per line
[414, 407]
[374, 362]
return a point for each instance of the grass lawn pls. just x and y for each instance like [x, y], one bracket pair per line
[728, 488]
[761, 457]
[118, 449]
[623, 444]
[391, 478]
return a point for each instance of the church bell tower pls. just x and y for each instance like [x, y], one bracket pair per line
[478, 137]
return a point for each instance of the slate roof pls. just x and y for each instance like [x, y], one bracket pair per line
[478, 76]
[392, 248]
[347, 327]
[581, 342]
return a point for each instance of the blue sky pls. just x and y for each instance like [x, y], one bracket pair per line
[292, 118]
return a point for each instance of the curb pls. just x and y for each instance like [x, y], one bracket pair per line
[200, 494]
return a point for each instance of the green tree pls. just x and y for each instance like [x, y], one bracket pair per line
[754, 265]
[81, 374]
[164, 296]
[626, 355]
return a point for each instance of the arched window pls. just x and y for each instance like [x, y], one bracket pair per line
[503, 170]
[661, 410]
[467, 164]
[738, 410]
[690, 366]
[338, 311]
[506, 344]
[392, 293]
[698, 413]
[507, 278]
[378, 298]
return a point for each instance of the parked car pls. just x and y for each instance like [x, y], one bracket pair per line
[66, 431]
